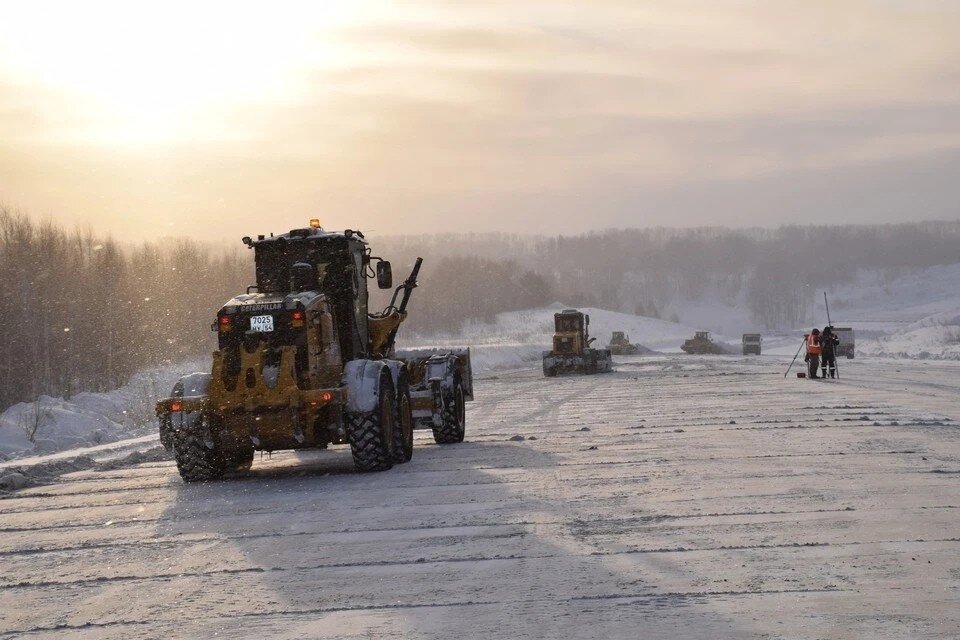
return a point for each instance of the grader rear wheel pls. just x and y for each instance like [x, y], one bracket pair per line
[197, 454]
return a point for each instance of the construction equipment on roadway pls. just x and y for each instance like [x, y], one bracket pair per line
[702, 344]
[751, 344]
[302, 364]
[572, 352]
[847, 343]
[620, 345]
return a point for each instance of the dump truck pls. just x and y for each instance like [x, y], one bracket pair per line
[751, 344]
[847, 342]
[571, 351]
[301, 363]
[620, 345]
[701, 343]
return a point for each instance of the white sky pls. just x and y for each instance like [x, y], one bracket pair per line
[223, 119]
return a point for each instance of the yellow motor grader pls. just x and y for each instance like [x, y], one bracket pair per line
[571, 351]
[303, 364]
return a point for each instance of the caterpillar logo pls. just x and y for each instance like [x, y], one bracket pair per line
[267, 306]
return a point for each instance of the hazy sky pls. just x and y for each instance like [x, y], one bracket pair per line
[237, 118]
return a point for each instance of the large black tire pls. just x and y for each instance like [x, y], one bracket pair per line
[403, 425]
[196, 452]
[371, 434]
[549, 372]
[454, 418]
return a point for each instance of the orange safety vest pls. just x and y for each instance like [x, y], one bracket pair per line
[813, 345]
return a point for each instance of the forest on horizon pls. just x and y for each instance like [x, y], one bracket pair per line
[80, 311]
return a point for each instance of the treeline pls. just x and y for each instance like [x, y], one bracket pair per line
[773, 272]
[80, 313]
[456, 288]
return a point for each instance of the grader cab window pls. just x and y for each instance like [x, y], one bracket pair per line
[272, 269]
[568, 324]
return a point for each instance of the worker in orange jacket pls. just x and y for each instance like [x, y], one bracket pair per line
[813, 353]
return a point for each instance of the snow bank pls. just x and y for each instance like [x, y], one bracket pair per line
[90, 419]
[899, 296]
[935, 337]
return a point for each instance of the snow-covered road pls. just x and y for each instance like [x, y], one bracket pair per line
[679, 497]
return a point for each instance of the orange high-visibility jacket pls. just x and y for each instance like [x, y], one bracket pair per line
[813, 345]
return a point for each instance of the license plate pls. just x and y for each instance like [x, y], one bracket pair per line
[261, 323]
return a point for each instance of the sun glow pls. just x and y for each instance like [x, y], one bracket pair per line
[159, 73]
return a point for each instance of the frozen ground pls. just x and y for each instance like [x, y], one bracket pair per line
[678, 497]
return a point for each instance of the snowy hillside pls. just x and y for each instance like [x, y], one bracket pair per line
[874, 297]
[914, 314]
[895, 313]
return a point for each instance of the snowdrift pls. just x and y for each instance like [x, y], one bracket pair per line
[90, 419]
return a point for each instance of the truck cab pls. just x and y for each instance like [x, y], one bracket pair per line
[752, 343]
[847, 342]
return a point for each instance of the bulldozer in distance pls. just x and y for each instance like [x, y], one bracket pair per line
[620, 345]
[701, 344]
[571, 351]
[302, 364]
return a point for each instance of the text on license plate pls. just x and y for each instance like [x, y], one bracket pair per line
[261, 323]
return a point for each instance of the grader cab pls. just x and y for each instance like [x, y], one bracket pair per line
[571, 351]
[302, 363]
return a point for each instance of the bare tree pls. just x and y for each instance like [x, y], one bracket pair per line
[34, 419]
